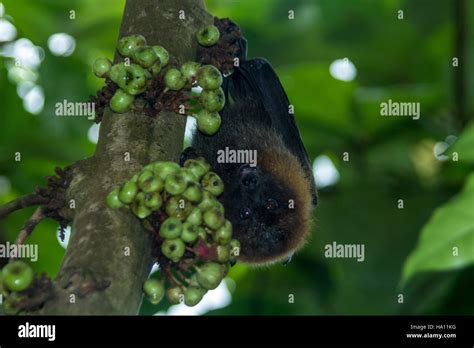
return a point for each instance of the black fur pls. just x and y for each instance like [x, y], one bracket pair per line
[256, 117]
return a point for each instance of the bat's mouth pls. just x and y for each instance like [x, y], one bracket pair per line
[261, 240]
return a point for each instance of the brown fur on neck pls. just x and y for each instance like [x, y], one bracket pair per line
[287, 170]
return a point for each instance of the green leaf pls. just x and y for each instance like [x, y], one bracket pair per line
[464, 146]
[450, 227]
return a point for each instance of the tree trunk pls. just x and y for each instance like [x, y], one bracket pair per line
[109, 254]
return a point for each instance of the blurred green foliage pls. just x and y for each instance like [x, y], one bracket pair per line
[452, 225]
[407, 59]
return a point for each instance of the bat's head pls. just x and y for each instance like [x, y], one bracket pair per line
[270, 207]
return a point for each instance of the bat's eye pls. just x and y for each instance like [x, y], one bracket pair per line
[271, 204]
[245, 213]
[250, 180]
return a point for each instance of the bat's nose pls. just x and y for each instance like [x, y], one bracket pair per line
[249, 177]
[245, 168]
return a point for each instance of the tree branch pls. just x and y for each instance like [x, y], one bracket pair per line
[109, 252]
[30, 225]
[20, 203]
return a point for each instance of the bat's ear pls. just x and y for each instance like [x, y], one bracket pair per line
[242, 42]
[230, 99]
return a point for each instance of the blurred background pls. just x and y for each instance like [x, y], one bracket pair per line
[338, 61]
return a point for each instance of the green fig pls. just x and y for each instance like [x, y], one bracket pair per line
[208, 122]
[213, 218]
[223, 235]
[175, 295]
[171, 228]
[210, 275]
[17, 276]
[193, 295]
[173, 249]
[175, 184]
[128, 44]
[121, 101]
[154, 290]
[127, 192]
[174, 79]
[212, 99]
[195, 217]
[209, 77]
[162, 54]
[113, 200]
[212, 183]
[102, 67]
[144, 56]
[190, 233]
[189, 70]
[208, 36]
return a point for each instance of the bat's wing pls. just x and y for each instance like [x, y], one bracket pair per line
[256, 81]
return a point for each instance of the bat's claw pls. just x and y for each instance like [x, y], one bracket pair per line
[188, 153]
[288, 260]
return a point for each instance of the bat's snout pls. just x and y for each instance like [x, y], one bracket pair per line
[249, 177]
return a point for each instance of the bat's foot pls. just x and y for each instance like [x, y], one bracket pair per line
[231, 45]
[188, 153]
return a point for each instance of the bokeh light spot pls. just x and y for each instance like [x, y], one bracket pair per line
[67, 234]
[343, 69]
[33, 101]
[7, 31]
[61, 44]
[324, 171]
[93, 133]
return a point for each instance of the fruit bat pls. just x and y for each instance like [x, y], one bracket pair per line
[269, 204]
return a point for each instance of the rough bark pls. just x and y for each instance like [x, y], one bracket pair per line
[96, 268]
